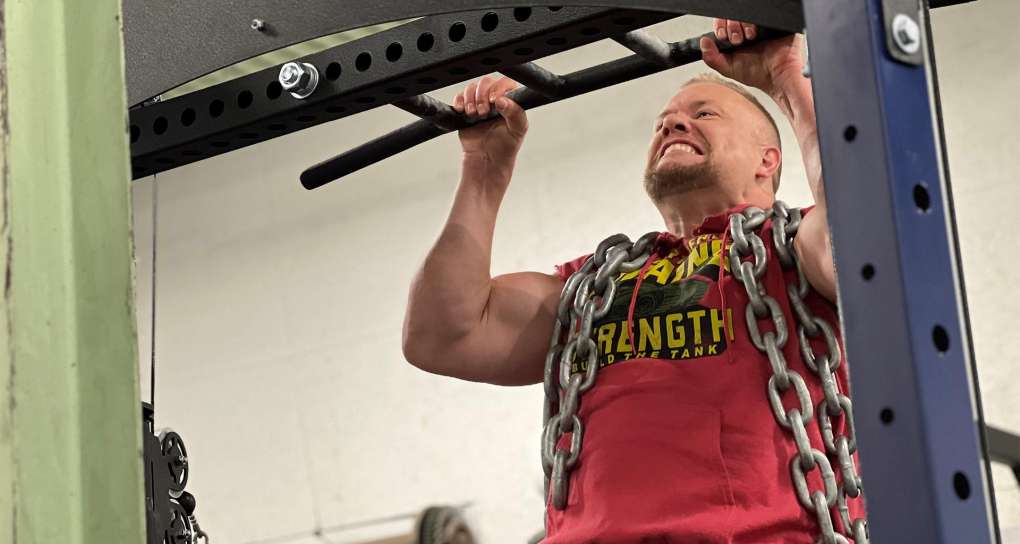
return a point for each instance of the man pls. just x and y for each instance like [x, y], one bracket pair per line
[680, 444]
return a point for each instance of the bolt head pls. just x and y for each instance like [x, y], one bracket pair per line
[294, 76]
[258, 24]
[299, 79]
[906, 33]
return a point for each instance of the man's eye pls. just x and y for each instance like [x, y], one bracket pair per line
[704, 113]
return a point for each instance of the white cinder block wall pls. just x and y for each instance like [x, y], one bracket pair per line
[279, 310]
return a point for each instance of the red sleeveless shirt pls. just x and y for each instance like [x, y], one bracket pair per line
[680, 444]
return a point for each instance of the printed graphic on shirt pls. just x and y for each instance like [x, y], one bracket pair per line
[671, 320]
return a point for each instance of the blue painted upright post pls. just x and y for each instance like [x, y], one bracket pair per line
[901, 293]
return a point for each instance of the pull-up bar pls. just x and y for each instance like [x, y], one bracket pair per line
[541, 87]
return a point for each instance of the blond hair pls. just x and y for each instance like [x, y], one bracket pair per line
[709, 77]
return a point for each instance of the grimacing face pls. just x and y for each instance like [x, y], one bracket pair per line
[707, 135]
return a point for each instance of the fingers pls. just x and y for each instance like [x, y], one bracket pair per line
[503, 86]
[735, 32]
[478, 98]
[468, 97]
[481, 98]
[513, 114]
[712, 56]
[489, 90]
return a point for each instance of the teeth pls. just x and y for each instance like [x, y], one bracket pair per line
[681, 147]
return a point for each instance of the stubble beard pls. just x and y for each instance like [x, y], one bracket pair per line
[678, 179]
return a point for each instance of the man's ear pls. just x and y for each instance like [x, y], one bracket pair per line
[771, 160]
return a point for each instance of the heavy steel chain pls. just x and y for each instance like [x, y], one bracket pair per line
[587, 296]
[765, 308]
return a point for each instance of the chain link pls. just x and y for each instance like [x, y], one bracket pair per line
[748, 261]
[571, 365]
[587, 296]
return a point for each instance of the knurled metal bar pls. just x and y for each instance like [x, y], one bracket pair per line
[654, 55]
[384, 68]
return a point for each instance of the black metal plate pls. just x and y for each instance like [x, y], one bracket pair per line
[169, 43]
[251, 109]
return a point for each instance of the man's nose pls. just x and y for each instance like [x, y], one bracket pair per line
[675, 123]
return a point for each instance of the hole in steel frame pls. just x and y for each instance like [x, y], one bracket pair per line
[523, 51]
[363, 61]
[490, 21]
[868, 271]
[624, 20]
[426, 41]
[274, 90]
[394, 51]
[220, 144]
[961, 485]
[556, 40]
[306, 118]
[365, 99]
[940, 337]
[457, 31]
[160, 125]
[921, 198]
[522, 14]
[491, 61]
[458, 71]
[590, 31]
[555, 8]
[886, 416]
[216, 108]
[335, 109]
[427, 80]
[333, 71]
[850, 133]
[277, 127]
[136, 133]
[395, 90]
[188, 117]
[244, 99]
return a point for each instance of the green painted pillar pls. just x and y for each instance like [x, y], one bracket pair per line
[70, 429]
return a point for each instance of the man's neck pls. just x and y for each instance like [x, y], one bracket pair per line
[685, 212]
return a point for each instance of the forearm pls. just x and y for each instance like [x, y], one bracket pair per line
[795, 100]
[449, 294]
[813, 242]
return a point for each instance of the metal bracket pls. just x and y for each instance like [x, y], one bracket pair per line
[903, 35]
[1004, 447]
[381, 69]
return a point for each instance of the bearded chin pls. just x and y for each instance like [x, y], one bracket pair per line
[677, 179]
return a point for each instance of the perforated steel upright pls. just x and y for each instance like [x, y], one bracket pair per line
[900, 284]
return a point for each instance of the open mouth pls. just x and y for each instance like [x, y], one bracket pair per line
[680, 147]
